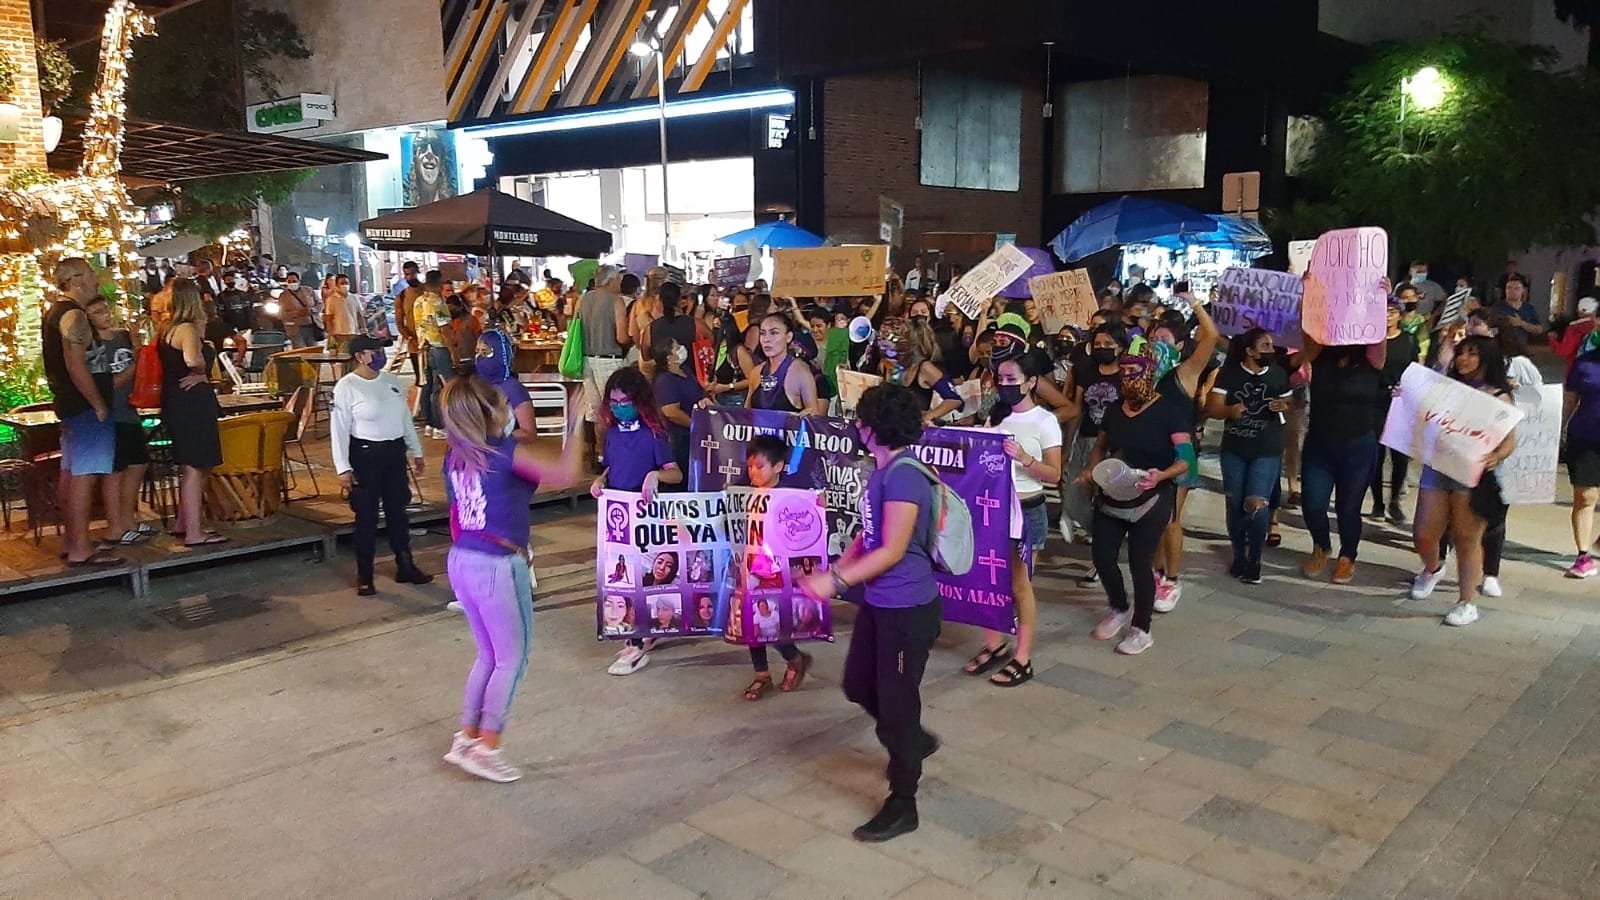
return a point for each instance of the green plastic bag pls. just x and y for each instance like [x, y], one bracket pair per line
[571, 362]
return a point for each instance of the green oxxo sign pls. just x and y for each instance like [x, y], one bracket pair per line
[289, 113]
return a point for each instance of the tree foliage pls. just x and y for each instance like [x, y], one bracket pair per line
[212, 207]
[1509, 159]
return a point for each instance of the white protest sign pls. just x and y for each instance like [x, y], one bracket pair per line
[971, 394]
[1446, 424]
[1064, 298]
[1259, 298]
[852, 385]
[986, 279]
[1300, 256]
[1528, 475]
[1345, 301]
[1450, 311]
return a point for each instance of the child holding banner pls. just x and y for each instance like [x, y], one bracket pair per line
[767, 457]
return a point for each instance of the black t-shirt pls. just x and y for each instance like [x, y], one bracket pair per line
[1402, 352]
[1100, 394]
[1259, 432]
[1145, 441]
[1347, 401]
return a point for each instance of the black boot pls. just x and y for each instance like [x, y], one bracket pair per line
[898, 816]
[364, 585]
[406, 571]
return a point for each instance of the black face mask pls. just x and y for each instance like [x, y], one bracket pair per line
[1104, 355]
[1010, 394]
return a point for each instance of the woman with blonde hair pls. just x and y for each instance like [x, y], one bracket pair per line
[492, 479]
[189, 406]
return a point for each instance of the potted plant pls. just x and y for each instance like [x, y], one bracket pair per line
[56, 71]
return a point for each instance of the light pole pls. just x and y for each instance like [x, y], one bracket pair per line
[641, 50]
[353, 241]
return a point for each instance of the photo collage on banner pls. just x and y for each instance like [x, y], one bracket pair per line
[662, 566]
[778, 537]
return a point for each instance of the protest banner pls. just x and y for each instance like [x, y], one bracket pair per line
[731, 272]
[1259, 298]
[1345, 301]
[640, 263]
[973, 463]
[830, 271]
[662, 566]
[1064, 298]
[779, 536]
[1448, 425]
[1528, 475]
[985, 280]
[852, 385]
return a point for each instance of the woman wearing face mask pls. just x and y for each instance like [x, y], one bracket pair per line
[1446, 504]
[782, 382]
[372, 435]
[1251, 396]
[1151, 434]
[901, 362]
[493, 364]
[673, 324]
[1034, 446]
[677, 393]
[1094, 388]
[1187, 383]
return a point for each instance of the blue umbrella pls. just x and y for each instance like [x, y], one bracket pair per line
[779, 235]
[1127, 220]
[1244, 236]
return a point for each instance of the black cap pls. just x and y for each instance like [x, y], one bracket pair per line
[364, 342]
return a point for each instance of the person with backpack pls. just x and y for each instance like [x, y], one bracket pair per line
[900, 613]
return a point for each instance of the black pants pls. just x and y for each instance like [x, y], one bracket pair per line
[758, 655]
[1399, 467]
[883, 675]
[1107, 533]
[381, 476]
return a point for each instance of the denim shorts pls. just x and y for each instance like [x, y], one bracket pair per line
[1036, 524]
[88, 445]
[1432, 479]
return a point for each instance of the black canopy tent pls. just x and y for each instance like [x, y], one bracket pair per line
[487, 223]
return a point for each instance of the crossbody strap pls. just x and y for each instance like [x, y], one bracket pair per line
[938, 498]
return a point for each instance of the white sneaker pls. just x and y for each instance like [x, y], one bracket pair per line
[489, 765]
[629, 661]
[1490, 586]
[1167, 593]
[1135, 643]
[459, 747]
[1422, 586]
[1112, 625]
[1462, 614]
[455, 607]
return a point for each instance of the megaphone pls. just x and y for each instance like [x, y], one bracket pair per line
[860, 330]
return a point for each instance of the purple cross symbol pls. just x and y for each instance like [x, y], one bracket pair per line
[987, 502]
[994, 563]
[711, 445]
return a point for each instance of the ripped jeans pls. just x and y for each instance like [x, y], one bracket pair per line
[1243, 478]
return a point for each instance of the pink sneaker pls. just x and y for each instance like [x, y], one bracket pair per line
[1167, 593]
[1112, 625]
[1583, 567]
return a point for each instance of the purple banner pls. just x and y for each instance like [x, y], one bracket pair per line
[973, 463]
[731, 272]
[779, 536]
[662, 567]
[640, 263]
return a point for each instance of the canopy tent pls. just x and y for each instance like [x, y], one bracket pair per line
[1243, 236]
[1127, 220]
[485, 222]
[779, 235]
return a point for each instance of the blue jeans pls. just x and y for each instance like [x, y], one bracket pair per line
[439, 369]
[496, 595]
[1242, 479]
[1345, 469]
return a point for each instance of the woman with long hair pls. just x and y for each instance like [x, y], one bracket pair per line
[778, 383]
[189, 406]
[1034, 446]
[1251, 396]
[1186, 379]
[1581, 403]
[1094, 388]
[731, 377]
[901, 361]
[492, 480]
[676, 390]
[1341, 447]
[1444, 503]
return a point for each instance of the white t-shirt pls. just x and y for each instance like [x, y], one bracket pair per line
[370, 409]
[348, 317]
[1037, 430]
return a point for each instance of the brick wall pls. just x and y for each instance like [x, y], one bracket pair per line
[16, 43]
[872, 147]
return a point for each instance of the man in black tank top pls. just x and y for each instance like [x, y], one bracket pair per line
[75, 362]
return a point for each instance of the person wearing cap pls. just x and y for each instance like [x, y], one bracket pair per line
[373, 434]
[1567, 344]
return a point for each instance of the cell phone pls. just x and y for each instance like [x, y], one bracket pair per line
[1181, 287]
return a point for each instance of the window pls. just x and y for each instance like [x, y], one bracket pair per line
[971, 133]
[1131, 134]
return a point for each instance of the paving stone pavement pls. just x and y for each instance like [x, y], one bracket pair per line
[1292, 739]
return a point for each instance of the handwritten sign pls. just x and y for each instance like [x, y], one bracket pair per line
[1064, 298]
[1260, 298]
[1528, 475]
[852, 385]
[830, 271]
[731, 272]
[1345, 301]
[1300, 256]
[1446, 424]
[984, 280]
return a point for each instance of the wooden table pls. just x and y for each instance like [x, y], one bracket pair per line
[532, 356]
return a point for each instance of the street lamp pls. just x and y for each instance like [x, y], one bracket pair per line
[353, 241]
[642, 50]
[1426, 89]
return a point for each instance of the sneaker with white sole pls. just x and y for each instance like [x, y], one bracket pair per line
[459, 745]
[629, 661]
[490, 765]
[1135, 643]
[1490, 586]
[1112, 625]
[1462, 614]
[1167, 593]
[1583, 567]
[455, 607]
[1422, 586]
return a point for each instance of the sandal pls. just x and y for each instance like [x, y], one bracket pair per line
[795, 675]
[758, 688]
[132, 536]
[1014, 673]
[987, 659]
[98, 558]
[213, 539]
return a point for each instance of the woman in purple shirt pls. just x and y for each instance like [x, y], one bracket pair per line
[493, 364]
[492, 479]
[677, 394]
[1583, 449]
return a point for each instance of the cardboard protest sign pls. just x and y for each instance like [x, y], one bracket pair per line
[661, 566]
[985, 280]
[1259, 298]
[1528, 475]
[1450, 309]
[830, 271]
[1345, 301]
[971, 394]
[731, 272]
[1064, 298]
[1448, 425]
[779, 537]
[852, 385]
[1300, 256]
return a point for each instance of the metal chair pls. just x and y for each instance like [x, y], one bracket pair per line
[240, 386]
[299, 405]
[549, 410]
[266, 343]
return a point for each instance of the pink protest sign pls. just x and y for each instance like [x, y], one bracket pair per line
[1345, 300]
